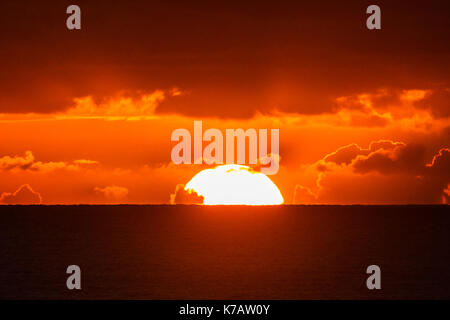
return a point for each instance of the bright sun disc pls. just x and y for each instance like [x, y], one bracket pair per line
[235, 185]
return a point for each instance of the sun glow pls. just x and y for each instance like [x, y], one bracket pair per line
[235, 185]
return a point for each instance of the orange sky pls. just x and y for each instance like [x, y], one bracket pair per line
[86, 116]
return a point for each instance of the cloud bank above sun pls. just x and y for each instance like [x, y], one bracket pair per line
[363, 117]
[234, 185]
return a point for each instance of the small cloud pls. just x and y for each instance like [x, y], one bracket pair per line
[345, 154]
[112, 192]
[123, 106]
[24, 195]
[28, 162]
[19, 162]
[85, 161]
[304, 195]
[175, 92]
[414, 94]
[368, 120]
[446, 195]
[182, 196]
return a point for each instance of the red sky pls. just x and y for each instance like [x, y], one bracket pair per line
[86, 116]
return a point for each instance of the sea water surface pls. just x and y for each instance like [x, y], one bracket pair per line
[224, 252]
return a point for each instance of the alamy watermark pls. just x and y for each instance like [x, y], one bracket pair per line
[73, 22]
[235, 147]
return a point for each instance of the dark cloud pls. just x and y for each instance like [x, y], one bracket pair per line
[368, 121]
[234, 57]
[346, 154]
[438, 101]
[386, 172]
[405, 158]
[440, 165]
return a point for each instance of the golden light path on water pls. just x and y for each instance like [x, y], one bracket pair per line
[235, 185]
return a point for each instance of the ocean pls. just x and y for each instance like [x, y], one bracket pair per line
[224, 252]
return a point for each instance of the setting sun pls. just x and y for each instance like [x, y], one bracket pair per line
[235, 185]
